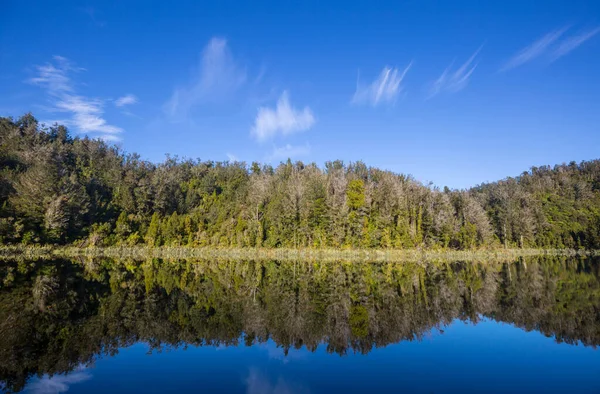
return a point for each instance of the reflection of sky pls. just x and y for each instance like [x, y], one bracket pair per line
[466, 358]
[275, 352]
[259, 382]
[57, 383]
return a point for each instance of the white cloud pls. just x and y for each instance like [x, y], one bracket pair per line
[553, 44]
[283, 119]
[86, 114]
[288, 151]
[54, 76]
[573, 42]
[231, 157]
[454, 81]
[128, 99]
[534, 50]
[58, 383]
[217, 77]
[385, 89]
[109, 137]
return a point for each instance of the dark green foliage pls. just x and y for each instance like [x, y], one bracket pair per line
[547, 207]
[61, 190]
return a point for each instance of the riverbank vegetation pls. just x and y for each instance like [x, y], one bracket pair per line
[60, 190]
[142, 252]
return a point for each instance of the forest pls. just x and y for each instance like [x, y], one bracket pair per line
[56, 189]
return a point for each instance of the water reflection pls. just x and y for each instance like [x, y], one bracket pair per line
[259, 382]
[56, 316]
[58, 383]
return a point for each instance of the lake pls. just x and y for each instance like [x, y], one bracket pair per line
[101, 325]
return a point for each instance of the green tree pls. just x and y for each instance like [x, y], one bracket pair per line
[152, 237]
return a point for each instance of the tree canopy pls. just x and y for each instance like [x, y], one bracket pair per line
[56, 189]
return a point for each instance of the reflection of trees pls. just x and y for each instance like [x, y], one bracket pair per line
[57, 315]
[560, 299]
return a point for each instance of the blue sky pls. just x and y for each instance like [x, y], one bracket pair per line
[456, 93]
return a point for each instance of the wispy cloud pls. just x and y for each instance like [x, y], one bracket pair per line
[92, 13]
[53, 76]
[553, 45]
[231, 157]
[85, 113]
[128, 99]
[385, 89]
[573, 42]
[109, 137]
[217, 77]
[288, 152]
[58, 383]
[455, 80]
[283, 119]
[534, 50]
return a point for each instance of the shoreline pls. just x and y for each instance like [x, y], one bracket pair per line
[364, 255]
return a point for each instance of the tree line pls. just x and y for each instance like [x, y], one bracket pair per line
[57, 189]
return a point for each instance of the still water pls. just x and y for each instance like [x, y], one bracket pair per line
[96, 326]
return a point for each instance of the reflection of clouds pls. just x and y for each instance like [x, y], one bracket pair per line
[58, 383]
[278, 353]
[259, 383]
